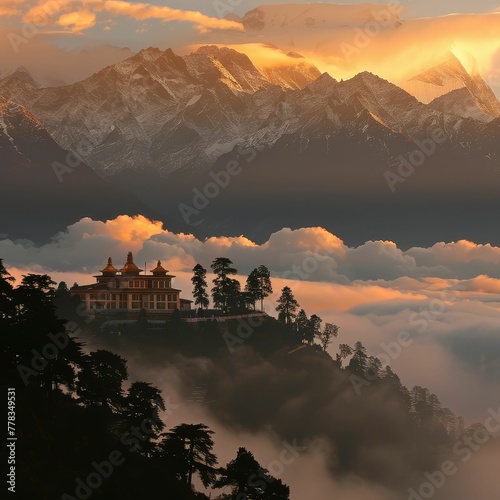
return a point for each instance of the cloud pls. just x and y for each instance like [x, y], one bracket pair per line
[77, 14]
[308, 254]
[77, 21]
[9, 7]
[7, 11]
[53, 66]
[143, 11]
[344, 40]
[373, 292]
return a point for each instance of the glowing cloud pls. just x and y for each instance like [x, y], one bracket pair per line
[80, 14]
[142, 11]
[77, 21]
[345, 40]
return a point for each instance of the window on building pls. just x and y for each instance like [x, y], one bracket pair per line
[161, 301]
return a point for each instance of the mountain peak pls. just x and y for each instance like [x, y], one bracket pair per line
[449, 75]
[21, 73]
[322, 83]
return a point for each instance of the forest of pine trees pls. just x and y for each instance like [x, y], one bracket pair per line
[79, 414]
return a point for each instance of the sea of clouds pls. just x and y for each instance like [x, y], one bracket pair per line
[447, 297]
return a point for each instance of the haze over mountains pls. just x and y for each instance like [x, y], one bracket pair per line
[40, 177]
[157, 124]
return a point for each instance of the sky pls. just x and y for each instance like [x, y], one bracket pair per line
[340, 42]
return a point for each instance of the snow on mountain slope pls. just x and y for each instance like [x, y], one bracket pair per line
[126, 115]
[160, 112]
[448, 76]
[461, 103]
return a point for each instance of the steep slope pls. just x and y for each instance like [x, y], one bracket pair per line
[23, 74]
[462, 103]
[133, 115]
[451, 75]
[297, 74]
[44, 188]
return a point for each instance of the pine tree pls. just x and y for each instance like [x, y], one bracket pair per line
[200, 286]
[266, 287]
[313, 328]
[287, 306]
[192, 444]
[225, 288]
[252, 286]
[301, 323]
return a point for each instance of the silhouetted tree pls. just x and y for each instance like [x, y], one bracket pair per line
[301, 323]
[101, 378]
[200, 286]
[359, 360]
[248, 479]
[192, 444]
[374, 368]
[313, 328]
[326, 336]
[34, 326]
[7, 305]
[259, 285]
[234, 300]
[224, 287]
[66, 304]
[287, 306]
[344, 352]
[142, 404]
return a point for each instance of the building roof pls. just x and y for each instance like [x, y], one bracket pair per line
[130, 268]
[109, 269]
[159, 270]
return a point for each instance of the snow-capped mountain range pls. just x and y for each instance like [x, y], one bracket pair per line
[161, 112]
[158, 123]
